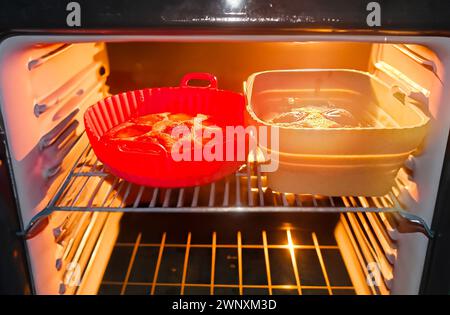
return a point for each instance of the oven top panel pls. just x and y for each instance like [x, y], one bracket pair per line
[406, 16]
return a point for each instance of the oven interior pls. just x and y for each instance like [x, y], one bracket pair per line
[90, 232]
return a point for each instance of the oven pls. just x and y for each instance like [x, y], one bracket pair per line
[72, 227]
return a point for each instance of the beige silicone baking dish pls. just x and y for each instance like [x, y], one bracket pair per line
[360, 161]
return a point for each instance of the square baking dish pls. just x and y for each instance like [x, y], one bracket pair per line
[361, 160]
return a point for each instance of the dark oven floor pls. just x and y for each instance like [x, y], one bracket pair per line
[243, 253]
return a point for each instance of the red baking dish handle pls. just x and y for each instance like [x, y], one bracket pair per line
[199, 76]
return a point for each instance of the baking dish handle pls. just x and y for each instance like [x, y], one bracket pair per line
[199, 76]
[415, 97]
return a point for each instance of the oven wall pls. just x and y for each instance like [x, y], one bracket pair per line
[67, 79]
[420, 199]
[139, 65]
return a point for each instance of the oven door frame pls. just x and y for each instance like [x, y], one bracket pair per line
[436, 274]
[404, 17]
[14, 262]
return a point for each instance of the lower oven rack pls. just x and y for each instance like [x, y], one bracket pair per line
[240, 256]
[89, 187]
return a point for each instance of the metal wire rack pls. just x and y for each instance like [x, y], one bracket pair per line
[90, 187]
[165, 258]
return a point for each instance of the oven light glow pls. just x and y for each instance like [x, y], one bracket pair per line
[234, 3]
[290, 243]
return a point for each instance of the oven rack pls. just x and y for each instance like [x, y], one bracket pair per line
[90, 187]
[242, 257]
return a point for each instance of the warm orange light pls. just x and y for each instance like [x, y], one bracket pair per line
[290, 242]
[293, 260]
